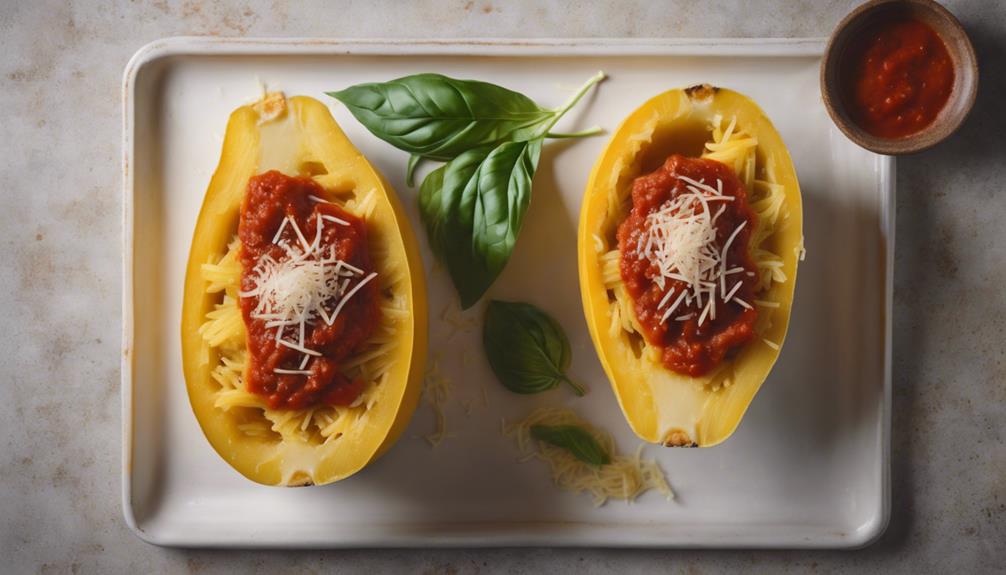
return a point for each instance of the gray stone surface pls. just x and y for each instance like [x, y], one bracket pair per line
[60, 70]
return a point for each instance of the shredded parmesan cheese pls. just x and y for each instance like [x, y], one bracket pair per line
[436, 390]
[800, 250]
[294, 291]
[626, 477]
[680, 240]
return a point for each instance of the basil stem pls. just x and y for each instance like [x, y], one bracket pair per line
[561, 110]
[594, 131]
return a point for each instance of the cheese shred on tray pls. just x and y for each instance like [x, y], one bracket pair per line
[626, 477]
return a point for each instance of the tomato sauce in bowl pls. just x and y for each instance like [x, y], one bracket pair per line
[899, 77]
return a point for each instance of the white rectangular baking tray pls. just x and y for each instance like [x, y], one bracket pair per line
[809, 465]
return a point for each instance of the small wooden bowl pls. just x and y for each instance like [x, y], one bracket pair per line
[962, 54]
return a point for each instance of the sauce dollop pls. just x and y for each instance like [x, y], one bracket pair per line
[270, 199]
[899, 77]
[688, 347]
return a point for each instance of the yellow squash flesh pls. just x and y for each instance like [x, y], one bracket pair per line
[660, 405]
[298, 136]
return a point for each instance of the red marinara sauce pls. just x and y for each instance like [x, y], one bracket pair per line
[689, 348]
[899, 77]
[270, 198]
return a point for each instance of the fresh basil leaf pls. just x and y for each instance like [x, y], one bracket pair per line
[473, 207]
[410, 170]
[527, 349]
[438, 209]
[430, 209]
[439, 118]
[573, 439]
[474, 210]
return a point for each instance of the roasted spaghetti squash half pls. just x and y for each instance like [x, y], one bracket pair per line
[689, 238]
[304, 316]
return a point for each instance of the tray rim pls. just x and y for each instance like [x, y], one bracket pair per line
[454, 535]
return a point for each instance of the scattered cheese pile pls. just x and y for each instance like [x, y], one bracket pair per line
[458, 320]
[437, 387]
[437, 392]
[626, 477]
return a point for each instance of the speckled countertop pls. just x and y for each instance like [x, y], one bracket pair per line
[61, 69]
